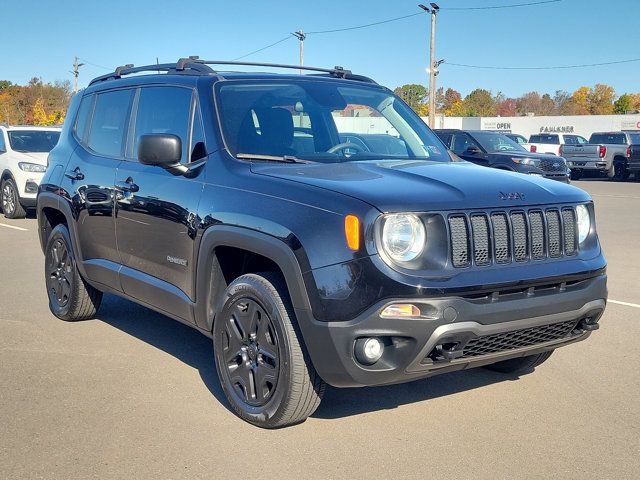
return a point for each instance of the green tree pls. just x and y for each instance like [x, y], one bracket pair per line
[480, 103]
[623, 105]
[414, 95]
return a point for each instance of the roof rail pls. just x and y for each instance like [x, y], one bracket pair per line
[193, 65]
[162, 67]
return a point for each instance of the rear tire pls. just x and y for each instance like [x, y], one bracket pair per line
[70, 297]
[11, 206]
[263, 366]
[520, 365]
[620, 172]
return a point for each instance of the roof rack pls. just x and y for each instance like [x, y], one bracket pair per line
[195, 66]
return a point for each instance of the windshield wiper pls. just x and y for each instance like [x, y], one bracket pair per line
[272, 158]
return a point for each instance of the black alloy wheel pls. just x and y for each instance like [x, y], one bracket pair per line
[251, 352]
[59, 272]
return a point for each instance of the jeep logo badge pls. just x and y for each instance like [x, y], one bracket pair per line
[511, 196]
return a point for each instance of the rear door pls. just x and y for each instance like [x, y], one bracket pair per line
[156, 219]
[100, 129]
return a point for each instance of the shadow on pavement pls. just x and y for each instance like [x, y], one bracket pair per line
[194, 349]
[181, 341]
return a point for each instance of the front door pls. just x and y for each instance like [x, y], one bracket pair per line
[156, 211]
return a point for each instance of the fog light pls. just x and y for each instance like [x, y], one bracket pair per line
[400, 310]
[369, 350]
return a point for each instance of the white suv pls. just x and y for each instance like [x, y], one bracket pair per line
[23, 161]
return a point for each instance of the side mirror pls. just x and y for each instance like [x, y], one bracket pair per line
[161, 150]
[473, 150]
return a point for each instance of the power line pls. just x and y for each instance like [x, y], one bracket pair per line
[264, 48]
[87, 62]
[495, 7]
[556, 67]
[366, 25]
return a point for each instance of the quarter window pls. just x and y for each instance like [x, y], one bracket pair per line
[3, 148]
[109, 121]
[83, 117]
[164, 110]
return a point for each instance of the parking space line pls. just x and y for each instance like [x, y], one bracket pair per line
[626, 304]
[15, 228]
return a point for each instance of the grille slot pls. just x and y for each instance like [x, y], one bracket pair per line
[536, 223]
[459, 241]
[553, 229]
[569, 220]
[527, 337]
[520, 246]
[555, 165]
[513, 235]
[481, 247]
[501, 238]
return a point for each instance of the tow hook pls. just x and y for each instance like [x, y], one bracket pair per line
[587, 324]
[448, 351]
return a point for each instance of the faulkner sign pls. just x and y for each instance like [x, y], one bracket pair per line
[565, 129]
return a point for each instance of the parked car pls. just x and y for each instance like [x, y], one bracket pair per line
[184, 192]
[495, 150]
[613, 154]
[552, 142]
[23, 161]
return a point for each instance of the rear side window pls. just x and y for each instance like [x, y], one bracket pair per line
[609, 138]
[164, 110]
[635, 139]
[548, 139]
[107, 133]
[3, 147]
[82, 120]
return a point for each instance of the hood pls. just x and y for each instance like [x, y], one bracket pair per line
[394, 186]
[32, 157]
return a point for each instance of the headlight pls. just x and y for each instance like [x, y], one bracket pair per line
[32, 167]
[584, 222]
[526, 161]
[403, 237]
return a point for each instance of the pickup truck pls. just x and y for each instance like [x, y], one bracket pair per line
[552, 142]
[616, 154]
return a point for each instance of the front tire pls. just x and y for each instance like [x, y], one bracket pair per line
[11, 206]
[520, 365]
[70, 297]
[262, 363]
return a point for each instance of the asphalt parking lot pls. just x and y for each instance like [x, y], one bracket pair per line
[133, 394]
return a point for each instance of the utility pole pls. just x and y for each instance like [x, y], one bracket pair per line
[300, 35]
[75, 73]
[433, 65]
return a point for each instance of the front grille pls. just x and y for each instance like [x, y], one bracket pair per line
[527, 337]
[512, 236]
[556, 165]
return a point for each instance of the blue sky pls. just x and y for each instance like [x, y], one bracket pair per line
[40, 38]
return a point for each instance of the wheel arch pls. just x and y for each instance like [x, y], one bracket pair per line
[263, 251]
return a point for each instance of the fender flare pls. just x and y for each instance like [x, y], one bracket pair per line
[208, 291]
[53, 201]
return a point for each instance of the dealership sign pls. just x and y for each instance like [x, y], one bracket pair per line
[565, 129]
[632, 125]
[497, 126]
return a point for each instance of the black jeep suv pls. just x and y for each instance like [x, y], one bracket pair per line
[232, 202]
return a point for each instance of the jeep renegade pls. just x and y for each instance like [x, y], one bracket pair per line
[314, 227]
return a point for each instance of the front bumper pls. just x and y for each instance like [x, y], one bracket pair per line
[417, 347]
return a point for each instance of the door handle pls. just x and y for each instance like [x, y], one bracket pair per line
[75, 174]
[127, 186]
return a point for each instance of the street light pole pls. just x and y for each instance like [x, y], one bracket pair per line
[433, 68]
[300, 35]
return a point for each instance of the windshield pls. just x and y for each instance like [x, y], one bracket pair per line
[322, 121]
[33, 140]
[497, 142]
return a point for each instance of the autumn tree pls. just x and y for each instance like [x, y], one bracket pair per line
[580, 101]
[35, 103]
[600, 99]
[507, 107]
[627, 102]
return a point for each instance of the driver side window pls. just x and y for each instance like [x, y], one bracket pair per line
[461, 142]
